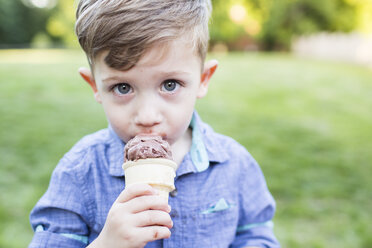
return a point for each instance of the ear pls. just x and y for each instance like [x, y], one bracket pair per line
[209, 69]
[86, 74]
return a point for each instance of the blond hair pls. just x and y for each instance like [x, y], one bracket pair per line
[127, 28]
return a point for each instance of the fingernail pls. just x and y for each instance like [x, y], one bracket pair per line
[169, 208]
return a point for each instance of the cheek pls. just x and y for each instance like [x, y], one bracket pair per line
[118, 120]
[180, 117]
[121, 128]
[110, 111]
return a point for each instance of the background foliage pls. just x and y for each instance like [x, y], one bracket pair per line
[288, 18]
[19, 24]
[269, 24]
[307, 122]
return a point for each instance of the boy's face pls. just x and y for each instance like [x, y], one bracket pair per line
[156, 96]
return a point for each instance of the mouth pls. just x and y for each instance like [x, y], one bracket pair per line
[163, 135]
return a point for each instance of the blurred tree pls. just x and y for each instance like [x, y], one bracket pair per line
[273, 23]
[234, 20]
[287, 18]
[19, 23]
[61, 24]
[364, 14]
[223, 29]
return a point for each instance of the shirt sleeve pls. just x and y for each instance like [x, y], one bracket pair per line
[59, 218]
[257, 208]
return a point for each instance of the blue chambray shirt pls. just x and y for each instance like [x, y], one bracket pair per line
[221, 200]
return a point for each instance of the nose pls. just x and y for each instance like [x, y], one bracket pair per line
[148, 114]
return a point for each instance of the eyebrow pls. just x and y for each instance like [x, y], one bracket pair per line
[161, 74]
[171, 73]
[112, 78]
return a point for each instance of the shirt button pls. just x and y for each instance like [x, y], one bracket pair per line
[173, 193]
[174, 213]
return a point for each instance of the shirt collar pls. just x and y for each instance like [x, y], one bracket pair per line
[115, 154]
[204, 141]
[204, 150]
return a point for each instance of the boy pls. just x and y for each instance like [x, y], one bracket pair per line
[147, 70]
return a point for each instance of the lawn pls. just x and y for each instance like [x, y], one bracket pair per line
[308, 123]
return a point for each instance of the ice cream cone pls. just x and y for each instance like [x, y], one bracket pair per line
[158, 172]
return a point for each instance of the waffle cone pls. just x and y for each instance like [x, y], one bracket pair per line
[157, 172]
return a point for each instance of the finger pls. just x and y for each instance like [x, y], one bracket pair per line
[148, 202]
[135, 190]
[151, 233]
[153, 218]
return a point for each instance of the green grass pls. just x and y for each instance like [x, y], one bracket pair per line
[308, 123]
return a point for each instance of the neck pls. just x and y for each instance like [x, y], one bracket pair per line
[182, 147]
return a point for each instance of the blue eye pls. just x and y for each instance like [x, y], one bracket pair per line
[170, 85]
[122, 89]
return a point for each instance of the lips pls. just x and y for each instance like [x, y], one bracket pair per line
[152, 133]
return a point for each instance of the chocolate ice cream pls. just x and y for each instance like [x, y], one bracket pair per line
[145, 146]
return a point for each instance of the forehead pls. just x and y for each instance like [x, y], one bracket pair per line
[171, 55]
[169, 51]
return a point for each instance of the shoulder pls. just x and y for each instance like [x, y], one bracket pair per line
[228, 147]
[237, 161]
[229, 155]
[91, 141]
[85, 151]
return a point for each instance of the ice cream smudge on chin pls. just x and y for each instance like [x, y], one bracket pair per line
[145, 146]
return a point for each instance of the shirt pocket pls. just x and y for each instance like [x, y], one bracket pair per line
[217, 223]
